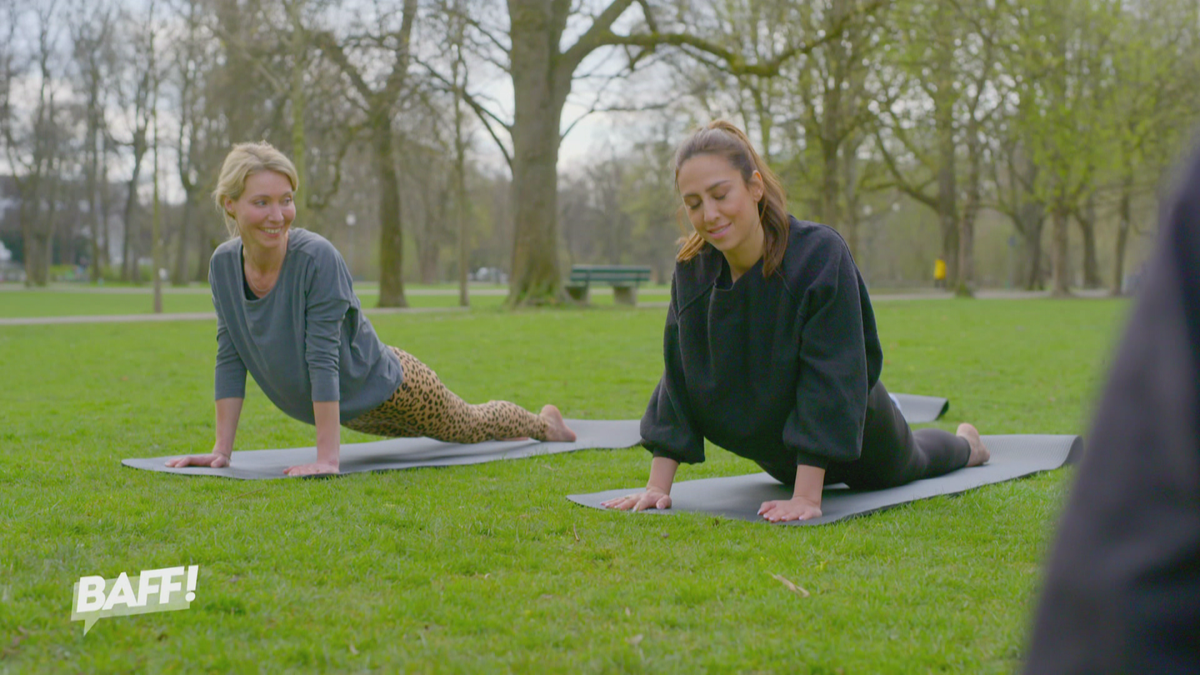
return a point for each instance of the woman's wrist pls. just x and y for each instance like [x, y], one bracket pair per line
[810, 483]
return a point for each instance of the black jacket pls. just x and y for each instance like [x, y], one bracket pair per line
[1123, 591]
[767, 368]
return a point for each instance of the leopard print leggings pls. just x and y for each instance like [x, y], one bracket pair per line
[423, 406]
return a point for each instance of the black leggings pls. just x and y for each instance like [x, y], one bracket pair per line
[892, 454]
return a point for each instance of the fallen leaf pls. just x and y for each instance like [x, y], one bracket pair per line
[666, 534]
[790, 586]
[353, 650]
[635, 640]
[627, 612]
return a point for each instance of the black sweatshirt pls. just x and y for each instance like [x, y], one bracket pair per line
[767, 368]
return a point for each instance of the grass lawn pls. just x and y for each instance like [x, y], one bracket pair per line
[489, 568]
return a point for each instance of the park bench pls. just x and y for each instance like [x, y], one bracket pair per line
[624, 280]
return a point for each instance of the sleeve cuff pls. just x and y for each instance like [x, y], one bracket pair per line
[808, 459]
[325, 390]
[659, 451]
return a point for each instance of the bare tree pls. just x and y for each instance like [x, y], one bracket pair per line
[36, 154]
[138, 96]
[380, 104]
[92, 27]
[543, 72]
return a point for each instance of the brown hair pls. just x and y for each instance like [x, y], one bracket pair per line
[243, 161]
[723, 139]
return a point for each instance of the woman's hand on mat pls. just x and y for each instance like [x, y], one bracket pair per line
[314, 469]
[652, 498]
[780, 510]
[215, 460]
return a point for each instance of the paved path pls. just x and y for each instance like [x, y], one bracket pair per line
[188, 316]
[204, 290]
[210, 316]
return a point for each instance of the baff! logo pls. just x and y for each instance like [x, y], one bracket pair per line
[164, 590]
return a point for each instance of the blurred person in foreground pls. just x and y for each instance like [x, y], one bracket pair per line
[1122, 594]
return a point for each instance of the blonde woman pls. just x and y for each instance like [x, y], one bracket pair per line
[287, 314]
[771, 350]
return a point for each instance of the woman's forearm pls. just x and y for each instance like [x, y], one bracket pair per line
[229, 410]
[662, 474]
[329, 431]
[810, 481]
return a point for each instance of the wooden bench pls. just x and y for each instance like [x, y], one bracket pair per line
[624, 280]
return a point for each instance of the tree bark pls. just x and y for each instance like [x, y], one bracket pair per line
[1124, 223]
[966, 239]
[1061, 218]
[1087, 227]
[381, 107]
[947, 198]
[1031, 217]
[298, 45]
[391, 233]
[179, 270]
[460, 176]
[129, 266]
[541, 85]
[830, 119]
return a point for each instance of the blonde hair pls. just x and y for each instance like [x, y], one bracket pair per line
[723, 139]
[243, 161]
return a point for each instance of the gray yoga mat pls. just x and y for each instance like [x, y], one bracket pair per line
[411, 453]
[918, 409]
[408, 453]
[741, 496]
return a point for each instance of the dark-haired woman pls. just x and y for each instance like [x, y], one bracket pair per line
[771, 349]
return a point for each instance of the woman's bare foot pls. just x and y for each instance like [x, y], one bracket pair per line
[557, 430]
[979, 452]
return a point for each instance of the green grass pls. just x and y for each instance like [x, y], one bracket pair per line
[488, 568]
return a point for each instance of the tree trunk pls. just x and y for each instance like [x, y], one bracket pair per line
[947, 190]
[1124, 222]
[829, 155]
[1061, 218]
[850, 187]
[540, 91]
[93, 169]
[299, 103]
[1087, 226]
[179, 270]
[460, 182]
[1030, 220]
[966, 239]
[391, 234]
[129, 266]
[47, 229]
[105, 207]
[29, 251]
[204, 250]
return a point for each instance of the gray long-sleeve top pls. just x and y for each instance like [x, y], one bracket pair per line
[776, 368]
[306, 341]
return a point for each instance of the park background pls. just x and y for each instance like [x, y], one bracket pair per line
[1029, 144]
[1025, 143]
